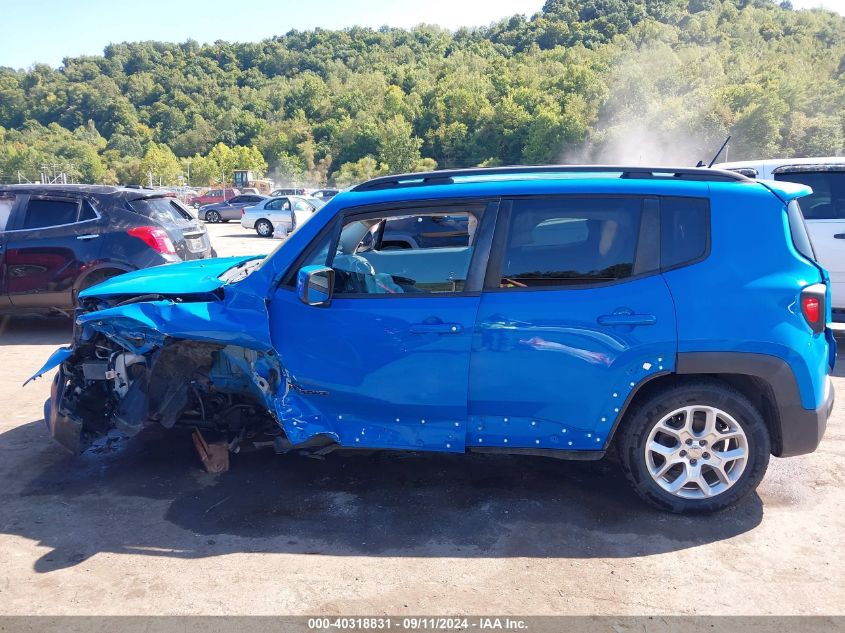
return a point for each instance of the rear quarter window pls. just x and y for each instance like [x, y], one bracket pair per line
[684, 229]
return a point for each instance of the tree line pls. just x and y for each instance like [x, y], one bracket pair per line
[581, 80]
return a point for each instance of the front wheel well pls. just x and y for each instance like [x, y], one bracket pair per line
[758, 391]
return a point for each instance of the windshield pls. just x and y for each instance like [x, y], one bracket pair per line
[827, 202]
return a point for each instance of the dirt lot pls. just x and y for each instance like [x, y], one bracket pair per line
[138, 528]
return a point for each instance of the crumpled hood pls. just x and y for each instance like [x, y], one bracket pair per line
[192, 277]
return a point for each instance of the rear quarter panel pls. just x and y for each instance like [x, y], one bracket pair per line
[744, 297]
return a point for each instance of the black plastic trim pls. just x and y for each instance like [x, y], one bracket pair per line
[800, 429]
[446, 176]
[584, 456]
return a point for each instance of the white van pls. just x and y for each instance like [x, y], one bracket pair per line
[824, 210]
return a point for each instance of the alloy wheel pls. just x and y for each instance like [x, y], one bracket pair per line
[696, 452]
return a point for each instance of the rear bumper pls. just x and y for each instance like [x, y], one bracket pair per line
[802, 429]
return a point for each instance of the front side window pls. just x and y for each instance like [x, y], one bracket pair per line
[570, 242]
[44, 212]
[827, 202]
[363, 265]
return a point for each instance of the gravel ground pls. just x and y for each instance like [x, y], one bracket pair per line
[139, 528]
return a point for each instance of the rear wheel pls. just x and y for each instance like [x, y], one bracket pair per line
[212, 216]
[264, 228]
[697, 447]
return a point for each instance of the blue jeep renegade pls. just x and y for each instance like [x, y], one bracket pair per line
[676, 316]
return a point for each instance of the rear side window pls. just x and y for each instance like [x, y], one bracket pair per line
[683, 230]
[827, 202]
[570, 241]
[800, 237]
[44, 212]
[166, 210]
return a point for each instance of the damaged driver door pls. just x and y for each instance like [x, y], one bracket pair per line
[383, 360]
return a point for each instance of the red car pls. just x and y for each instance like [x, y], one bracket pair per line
[213, 195]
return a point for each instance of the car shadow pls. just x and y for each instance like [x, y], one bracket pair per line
[35, 330]
[148, 495]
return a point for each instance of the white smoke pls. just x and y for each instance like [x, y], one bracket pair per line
[660, 111]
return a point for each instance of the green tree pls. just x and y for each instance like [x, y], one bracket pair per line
[398, 148]
[160, 166]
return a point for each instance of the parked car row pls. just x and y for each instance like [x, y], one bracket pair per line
[279, 216]
[219, 196]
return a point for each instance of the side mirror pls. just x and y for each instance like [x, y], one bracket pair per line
[314, 285]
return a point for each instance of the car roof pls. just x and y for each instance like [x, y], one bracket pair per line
[124, 193]
[549, 180]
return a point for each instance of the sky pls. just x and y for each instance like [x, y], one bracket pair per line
[46, 31]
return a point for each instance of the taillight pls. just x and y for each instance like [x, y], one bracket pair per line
[810, 306]
[155, 238]
[813, 306]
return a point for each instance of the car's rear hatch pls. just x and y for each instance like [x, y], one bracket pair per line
[188, 234]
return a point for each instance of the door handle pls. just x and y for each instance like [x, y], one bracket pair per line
[839, 236]
[627, 319]
[89, 236]
[436, 328]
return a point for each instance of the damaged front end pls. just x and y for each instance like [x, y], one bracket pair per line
[197, 355]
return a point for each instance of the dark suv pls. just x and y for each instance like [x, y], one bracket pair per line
[56, 240]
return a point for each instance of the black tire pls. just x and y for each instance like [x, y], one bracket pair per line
[264, 228]
[212, 216]
[644, 416]
[98, 276]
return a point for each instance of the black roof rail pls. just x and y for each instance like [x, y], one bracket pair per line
[447, 176]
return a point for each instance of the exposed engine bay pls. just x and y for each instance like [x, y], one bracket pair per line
[122, 376]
